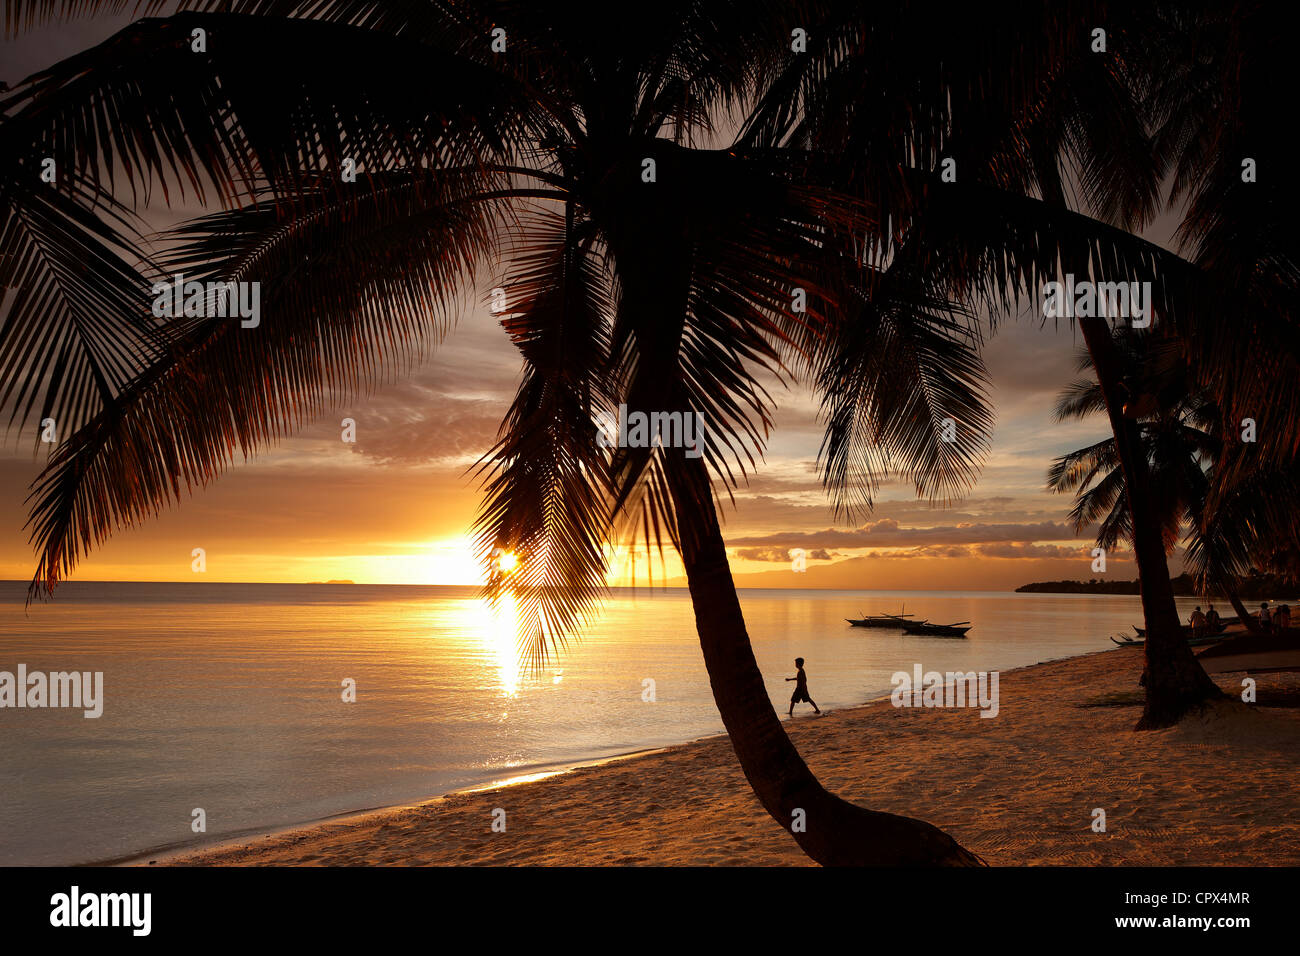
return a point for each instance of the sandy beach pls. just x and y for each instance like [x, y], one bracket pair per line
[1017, 789]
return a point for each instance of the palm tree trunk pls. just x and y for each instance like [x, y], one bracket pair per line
[834, 832]
[1246, 618]
[1175, 681]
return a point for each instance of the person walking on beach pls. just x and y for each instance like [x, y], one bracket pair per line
[1283, 617]
[1265, 618]
[1197, 622]
[800, 688]
[1212, 619]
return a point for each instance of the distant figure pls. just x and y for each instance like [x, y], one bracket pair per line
[1212, 619]
[1282, 619]
[1265, 618]
[800, 688]
[1197, 622]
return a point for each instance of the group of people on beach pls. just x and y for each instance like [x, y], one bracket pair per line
[1276, 619]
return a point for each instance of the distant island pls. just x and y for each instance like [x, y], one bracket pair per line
[1256, 586]
[333, 581]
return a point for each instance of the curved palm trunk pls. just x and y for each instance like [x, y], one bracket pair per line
[1246, 618]
[836, 833]
[1175, 681]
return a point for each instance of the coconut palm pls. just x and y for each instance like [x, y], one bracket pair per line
[1181, 436]
[640, 266]
[1177, 96]
[1006, 224]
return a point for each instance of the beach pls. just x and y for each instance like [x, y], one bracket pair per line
[1020, 788]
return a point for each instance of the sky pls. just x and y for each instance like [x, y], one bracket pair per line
[396, 506]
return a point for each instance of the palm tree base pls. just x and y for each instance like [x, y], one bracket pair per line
[843, 834]
[1184, 688]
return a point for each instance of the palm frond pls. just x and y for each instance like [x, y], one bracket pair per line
[75, 326]
[903, 389]
[546, 482]
[344, 286]
[1078, 400]
[146, 104]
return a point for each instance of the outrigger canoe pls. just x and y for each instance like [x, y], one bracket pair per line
[1125, 641]
[880, 620]
[1253, 653]
[895, 621]
[1187, 629]
[925, 628]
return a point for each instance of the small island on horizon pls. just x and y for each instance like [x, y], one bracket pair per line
[1254, 586]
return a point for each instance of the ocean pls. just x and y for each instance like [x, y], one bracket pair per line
[229, 698]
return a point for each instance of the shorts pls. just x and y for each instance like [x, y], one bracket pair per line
[800, 696]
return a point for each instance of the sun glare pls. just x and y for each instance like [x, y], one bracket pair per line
[500, 629]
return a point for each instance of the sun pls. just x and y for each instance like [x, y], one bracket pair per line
[507, 562]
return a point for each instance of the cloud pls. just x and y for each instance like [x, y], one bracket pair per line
[783, 554]
[763, 554]
[888, 533]
[1025, 550]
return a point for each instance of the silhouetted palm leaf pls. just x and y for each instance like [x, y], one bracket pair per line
[345, 284]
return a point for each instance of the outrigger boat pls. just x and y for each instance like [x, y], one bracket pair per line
[895, 621]
[1253, 653]
[1187, 630]
[937, 630]
[1125, 641]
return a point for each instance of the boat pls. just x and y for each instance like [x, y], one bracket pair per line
[881, 620]
[1187, 629]
[927, 629]
[1125, 641]
[1253, 653]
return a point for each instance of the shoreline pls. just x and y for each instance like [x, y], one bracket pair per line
[1019, 788]
[246, 837]
[253, 834]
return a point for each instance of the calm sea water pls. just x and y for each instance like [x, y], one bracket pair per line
[228, 697]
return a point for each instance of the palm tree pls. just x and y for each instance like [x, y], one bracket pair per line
[1179, 97]
[1207, 83]
[1003, 227]
[641, 267]
[1181, 437]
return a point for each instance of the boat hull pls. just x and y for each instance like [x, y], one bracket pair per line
[936, 631]
[1253, 653]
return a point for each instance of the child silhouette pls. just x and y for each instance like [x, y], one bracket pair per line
[800, 688]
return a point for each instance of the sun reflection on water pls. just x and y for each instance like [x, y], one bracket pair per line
[500, 633]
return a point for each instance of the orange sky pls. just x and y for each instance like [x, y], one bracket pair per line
[396, 506]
